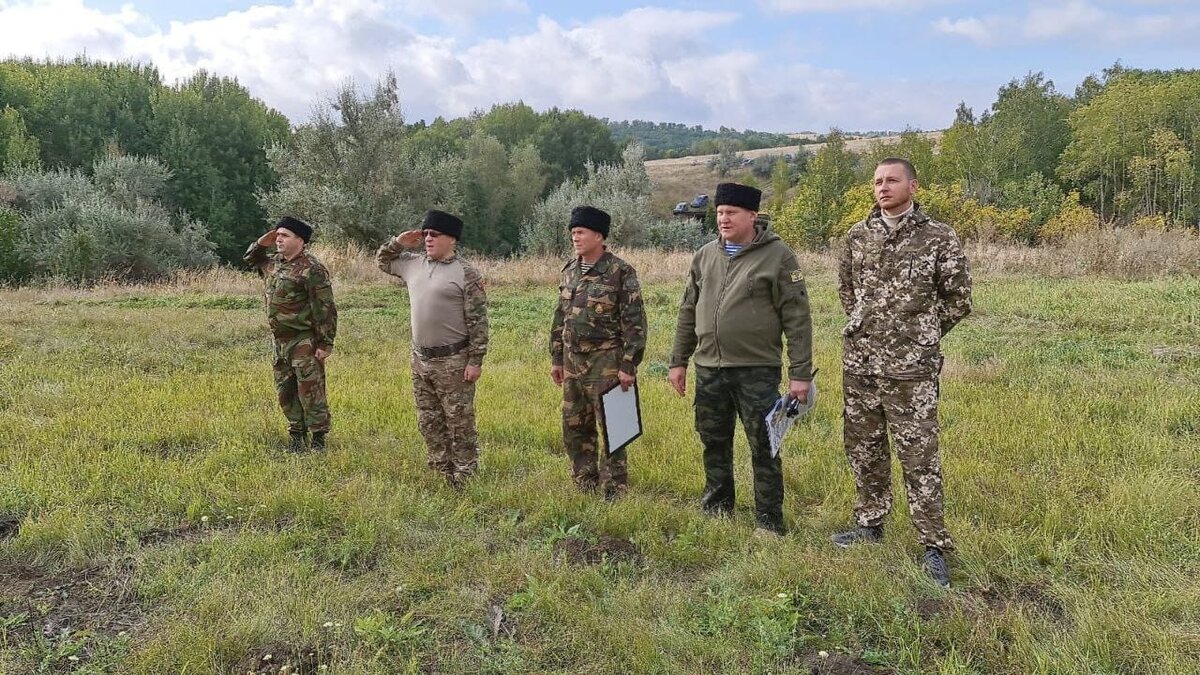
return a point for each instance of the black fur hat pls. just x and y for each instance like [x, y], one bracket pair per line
[295, 226]
[735, 194]
[443, 222]
[592, 218]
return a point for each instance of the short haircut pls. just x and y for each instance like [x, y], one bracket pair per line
[909, 169]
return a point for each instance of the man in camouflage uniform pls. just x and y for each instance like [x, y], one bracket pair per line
[596, 341]
[449, 339]
[904, 283]
[303, 320]
[744, 292]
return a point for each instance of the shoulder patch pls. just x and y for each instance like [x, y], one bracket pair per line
[797, 275]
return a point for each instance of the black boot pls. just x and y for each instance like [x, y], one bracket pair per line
[318, 441]
[871, 534]
[936, 567]
[297, 441]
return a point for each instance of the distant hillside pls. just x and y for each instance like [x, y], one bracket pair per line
[671, 139]
[681, 178]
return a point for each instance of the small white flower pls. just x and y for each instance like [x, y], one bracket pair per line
[72, 658]
[267, 657]
[327, 624]
[123, 633]
[782, 595]
[823, 654]
[204, 519]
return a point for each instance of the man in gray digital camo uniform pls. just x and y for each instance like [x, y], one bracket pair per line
[904, 283]
[744, 292]
[303, 320]
[449, 339]
[597, 339]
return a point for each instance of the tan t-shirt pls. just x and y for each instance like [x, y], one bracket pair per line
[437, 293]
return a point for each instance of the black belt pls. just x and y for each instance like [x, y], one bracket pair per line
[439, 352]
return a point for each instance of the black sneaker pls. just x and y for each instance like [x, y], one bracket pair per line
[935, 566]
[871, 534]
[318, 441]
[767, 526]
[297, 441]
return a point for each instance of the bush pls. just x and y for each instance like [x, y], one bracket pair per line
[622, 190]
[1072, 218]
[12, 267]
[677, 235]
[85, 240]
[50, 189]
[1149, 224]
[1039, 196]
[77, 228]
[128, 180]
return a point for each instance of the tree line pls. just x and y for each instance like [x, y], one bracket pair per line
[108, 171]
[672, 139]
[1036, 166]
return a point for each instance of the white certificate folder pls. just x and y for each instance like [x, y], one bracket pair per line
[622, 413]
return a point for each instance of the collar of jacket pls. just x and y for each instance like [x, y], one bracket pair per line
[914, 219]
[601, 264]
[762, 236]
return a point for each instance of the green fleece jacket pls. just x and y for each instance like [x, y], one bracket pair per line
[735, 310]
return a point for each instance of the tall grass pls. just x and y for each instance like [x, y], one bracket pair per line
[139, 441]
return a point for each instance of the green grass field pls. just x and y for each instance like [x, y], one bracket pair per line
[151, 523]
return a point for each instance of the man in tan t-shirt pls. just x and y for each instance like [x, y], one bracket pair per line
[449, 339]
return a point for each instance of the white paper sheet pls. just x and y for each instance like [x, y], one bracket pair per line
[622, 417]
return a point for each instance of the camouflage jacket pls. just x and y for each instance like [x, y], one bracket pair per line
[448, 303]
[902, 291]
[736, 310]
[298, 298]
[600, 309]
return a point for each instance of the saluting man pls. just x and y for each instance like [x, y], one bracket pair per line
[303, 320]
[449, 339]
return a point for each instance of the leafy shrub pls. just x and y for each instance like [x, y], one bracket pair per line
[622, 190]
[80, 228]
[1072, 218]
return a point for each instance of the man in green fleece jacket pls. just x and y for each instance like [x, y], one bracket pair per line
[744, 292]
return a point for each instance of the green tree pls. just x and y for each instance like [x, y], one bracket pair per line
[512, 124]
[499, 189]
[1135, 146]
[17, 148]
[213, 136]
[351, 174]
[819, 203]
[569, 140]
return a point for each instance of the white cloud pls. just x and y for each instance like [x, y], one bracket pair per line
[648, 63]
[850, 5]
[1077, 21]
[985, 31]
[459, 10]
[1075, 17]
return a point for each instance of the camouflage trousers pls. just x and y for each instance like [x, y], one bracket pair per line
[446, 413]
[908, 409]
[585, 377]
[722, 395]
[300, 386]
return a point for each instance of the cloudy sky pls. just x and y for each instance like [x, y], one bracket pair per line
[773, 65]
